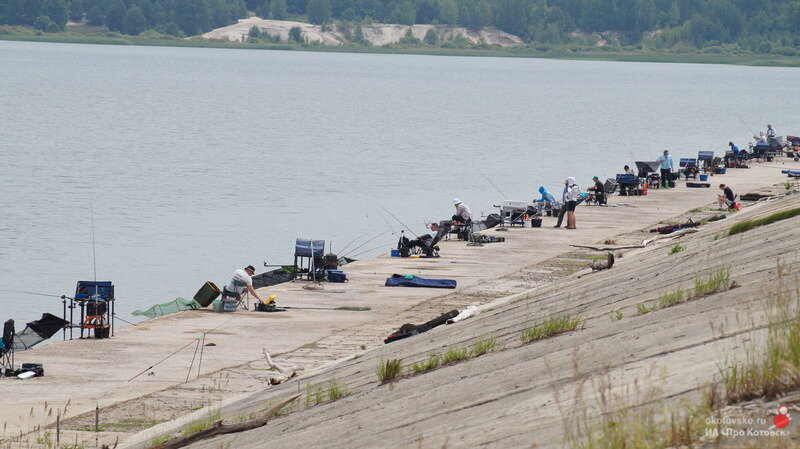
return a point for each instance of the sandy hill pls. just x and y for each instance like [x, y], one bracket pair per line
[377, 34]
[523, 394]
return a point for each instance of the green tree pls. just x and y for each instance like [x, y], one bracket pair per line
[44, 23]
[96, 16]
[448, 12]
[115, 16]
[405, 13]
[76, 10]
[134, 21]
[296, 34]
[277, 10]
[319, 11]
[57, 11]
[480, 16]
[431, 37]
[255, 32]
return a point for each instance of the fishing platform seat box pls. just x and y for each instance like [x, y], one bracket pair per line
[705, 156]
[96, 300]
[207, 294]
[307, 254]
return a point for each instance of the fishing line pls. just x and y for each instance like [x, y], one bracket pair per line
[368, 250]
[94, 251]
[181, 349]
[490, 182]
[387, 223]
[361, 245]
[351, 242]
[393, 216]
[745, 124]
[38, 294]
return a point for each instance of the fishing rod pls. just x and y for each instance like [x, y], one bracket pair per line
[745, 124]
[490, 182]
[393, 216]
[361, 245]
[368, 250]
[351, 242]
[387, 222]
[629, 148]
[345, 308]
[182, 348]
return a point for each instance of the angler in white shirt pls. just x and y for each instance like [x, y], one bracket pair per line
[241, 282]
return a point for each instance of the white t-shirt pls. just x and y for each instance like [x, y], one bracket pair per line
[241, 280]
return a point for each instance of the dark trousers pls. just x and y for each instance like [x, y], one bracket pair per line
[666, 177]
[561, 213]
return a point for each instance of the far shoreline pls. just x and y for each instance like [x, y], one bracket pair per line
[611, 56]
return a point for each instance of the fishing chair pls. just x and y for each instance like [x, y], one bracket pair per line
[628, 184]
[689, 166]
[424, 247]
[706, 158]
[309, 259]
[96, 301]
[7, 346]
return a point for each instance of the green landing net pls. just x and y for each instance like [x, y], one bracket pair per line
[167, 308]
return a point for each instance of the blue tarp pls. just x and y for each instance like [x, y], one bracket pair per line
[416, 281]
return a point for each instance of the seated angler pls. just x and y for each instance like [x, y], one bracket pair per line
[599, 191]
[425, 242]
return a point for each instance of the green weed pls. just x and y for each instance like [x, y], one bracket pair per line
[433, 362]
[617, 315]
[676, 248]
[718, 281]
[389, 370]
[483, 345]
[203, 424]
[454, 354]
[551, 326]
[747, 225]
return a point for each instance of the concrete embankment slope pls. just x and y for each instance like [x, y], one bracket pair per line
[523, 393]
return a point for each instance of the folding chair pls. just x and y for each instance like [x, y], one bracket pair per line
[7, 349]
[309, 258]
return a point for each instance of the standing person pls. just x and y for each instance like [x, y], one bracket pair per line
[563, 210]
[728, 198]
[770, 132]
[241, 282]
[573, 193]
[666, 168]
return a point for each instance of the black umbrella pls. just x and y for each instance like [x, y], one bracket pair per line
[648, 167]
[38, 331]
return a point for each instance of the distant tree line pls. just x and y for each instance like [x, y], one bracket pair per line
[757, 25]
[175, 17]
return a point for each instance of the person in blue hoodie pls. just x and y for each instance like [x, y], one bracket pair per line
[547, 197]
[666, 168]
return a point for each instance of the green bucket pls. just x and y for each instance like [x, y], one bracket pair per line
[207, 293]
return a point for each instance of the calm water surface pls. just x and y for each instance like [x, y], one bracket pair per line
[194, 162]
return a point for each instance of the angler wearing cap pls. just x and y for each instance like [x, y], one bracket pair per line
[242, 282]
[463, 215]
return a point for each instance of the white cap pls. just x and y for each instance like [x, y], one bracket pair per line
[456, 200]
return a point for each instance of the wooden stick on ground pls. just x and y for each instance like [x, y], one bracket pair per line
[220, 429]
[640, 245]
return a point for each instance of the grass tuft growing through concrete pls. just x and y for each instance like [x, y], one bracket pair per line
[389, 370]
[676, 248]
[432, 363]
[718, 281]
[551, 327]
[747, 225]
[775, 369]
